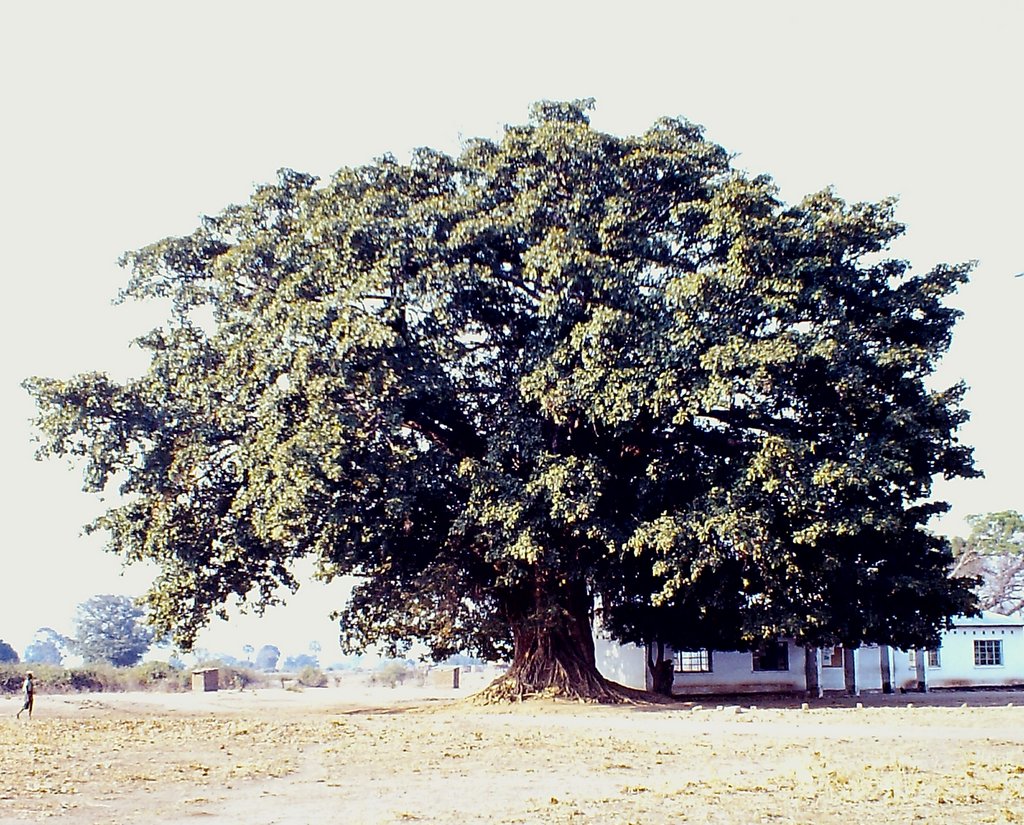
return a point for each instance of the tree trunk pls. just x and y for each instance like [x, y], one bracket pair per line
[812, 680]
[553, 645]
[661, 671]
[850, 671]
[885, 665]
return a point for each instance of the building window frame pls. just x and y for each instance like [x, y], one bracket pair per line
[694, 661]
[988, 652]
[771, 657]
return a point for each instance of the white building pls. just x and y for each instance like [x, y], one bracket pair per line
[985, 651]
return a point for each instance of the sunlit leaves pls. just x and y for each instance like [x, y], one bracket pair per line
[560, 357]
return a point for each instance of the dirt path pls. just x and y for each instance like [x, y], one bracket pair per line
[319, 757]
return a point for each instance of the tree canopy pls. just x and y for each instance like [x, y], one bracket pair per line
[111, 629]
[994, 553]
[266, 658]
[563, 366]
[8, 655]
[46, 647]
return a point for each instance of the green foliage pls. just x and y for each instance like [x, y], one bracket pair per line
[994, 553]
[561, 365]
[8, 655]
[110, 629]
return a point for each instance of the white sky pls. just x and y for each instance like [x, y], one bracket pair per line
[123, 122]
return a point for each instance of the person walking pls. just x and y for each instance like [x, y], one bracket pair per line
[30, 694]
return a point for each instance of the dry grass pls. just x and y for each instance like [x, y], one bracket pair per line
[318, 757]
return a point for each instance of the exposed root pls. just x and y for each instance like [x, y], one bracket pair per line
[508, 688]
[502, 692]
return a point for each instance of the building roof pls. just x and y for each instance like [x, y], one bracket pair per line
[989, 619]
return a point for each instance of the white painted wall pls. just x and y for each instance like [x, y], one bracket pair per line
[831, 676]
[956, 657]
[625, 664]
[869, 667]
[733, 672]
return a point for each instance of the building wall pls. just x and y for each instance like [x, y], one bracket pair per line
[831, 677]
[625, 664]
[733, 672]
[956, 667]
[869, 667]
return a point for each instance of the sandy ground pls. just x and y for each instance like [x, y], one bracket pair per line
[357, 754]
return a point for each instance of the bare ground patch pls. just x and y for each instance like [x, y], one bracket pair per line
[326, 756]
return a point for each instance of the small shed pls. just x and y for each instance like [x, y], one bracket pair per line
[206, 679]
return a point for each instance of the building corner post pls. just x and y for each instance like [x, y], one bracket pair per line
[921, 661]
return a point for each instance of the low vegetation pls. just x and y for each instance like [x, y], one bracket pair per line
[104, 678]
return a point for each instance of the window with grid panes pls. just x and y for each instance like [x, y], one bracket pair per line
[693, 661]
[988, 651]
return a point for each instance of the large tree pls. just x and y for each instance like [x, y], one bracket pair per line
[560, 367]
[112, 629]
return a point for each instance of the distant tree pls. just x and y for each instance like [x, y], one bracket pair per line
[267, 657]
[46, 647]
[8, 655]
[248, 651]
[43, 652]
[994, 552]
[300, 661]
[110, 629]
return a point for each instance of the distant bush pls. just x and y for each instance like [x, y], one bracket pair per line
[100, 678]
[241, 677]
[312, 677]
[54, 679]
[392, 674]
[158, 676]
[11, 677]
